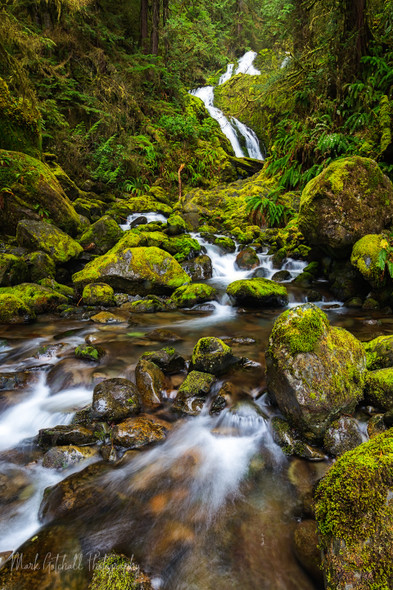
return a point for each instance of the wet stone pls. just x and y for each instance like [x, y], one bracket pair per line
[114, 400]
[138, 432]
[163, 335]
[63, 457]
[66, 435]
[151, 383]
[342, 436]
[167, 359]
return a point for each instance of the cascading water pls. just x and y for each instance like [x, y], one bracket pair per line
[233, 128]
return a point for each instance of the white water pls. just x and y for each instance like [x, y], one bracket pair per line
[151, 218]
[233, 129]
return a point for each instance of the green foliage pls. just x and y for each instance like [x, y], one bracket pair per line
[385, 256]
[116, 572]
[268, 210]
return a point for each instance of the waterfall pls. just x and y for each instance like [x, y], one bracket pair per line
[235, 131]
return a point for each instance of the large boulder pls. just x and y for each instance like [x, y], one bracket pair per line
[258, 292]
[199, 268]
[190, 295]
[134, 270]
[114, 400]
[102, 235]
[30, 190]
[13, 270]
[379, 388]
[379, 352]
[354, 511]
[212, 355]
[349, 199]
[23, 302]
[40, 235]
[364, 258]
[314, 371]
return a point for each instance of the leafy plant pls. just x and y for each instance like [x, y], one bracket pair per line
[385, 256]
[137, 186]
[267, 210]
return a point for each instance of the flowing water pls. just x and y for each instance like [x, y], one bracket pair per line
[243, 139]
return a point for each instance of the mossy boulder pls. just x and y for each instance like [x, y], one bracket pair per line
[190, 295]
[193, 392]
[247, 259]
[40, 235]
[199, 268]
[29, 189]
[58, 287]
[212, 355]
[364, 258]
[142, 204]
[315, 372]
[98, 294]
[115, 400]
[379, 353]
[139, 431]
[176, 225]
[167, 359]
[258, 292]
[182, 247]
[134, 270]
[86, 352]
[348, 200]
[102, 235]
[225, 243]
[92, 208]
[379, 388]
[13, 270]
[150, 304]
[354, 511]
[117, 572]
[29, 299]
[40, 266]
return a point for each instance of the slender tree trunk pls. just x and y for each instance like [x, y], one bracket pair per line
[144, 25]
[356, 27]
[156, 27]
[302, 31]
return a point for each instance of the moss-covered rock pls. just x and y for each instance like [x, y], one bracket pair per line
[13, 270]
[139, 431]
[142, 204]
[190, 295]
[92, 208]
[117, 572]
[342, 435]
[182, 247]
[349, 199]
[28, 189]
[34, 299]
[115, 400]
[199, 268]
[67, 434]
[258, 292]
[354, 511]
[151, 304]
[291, 443]
[151, 383]
[225, 243]
[14, 310]
[364, 257]
[379, 388]
[176, 225]
[103, 234]
[61, 458]
[58, 287]
[167, 359]
[134, 270]
[40, 266]
[314, 371]
[98, 294]
[40, 235]
[247, 259]
[212, 355]
[379, 353]
[193, 392]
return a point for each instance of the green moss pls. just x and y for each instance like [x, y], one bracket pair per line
[52, 284]
[98, 294]
[88, 353]
[117, 572]
[379, 388]
[258, 291]
[307, 325]
[27, 299]
[141, 204]
[192, 294]
[13, 270]
[379, 352]
[176, 225]
[19, 123]
[196, 384]
[13, 310]
[364, 257]
[104, 234]
[226, 244]
[39, 235]
[354, 512]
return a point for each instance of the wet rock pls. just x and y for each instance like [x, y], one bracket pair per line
[199, 268]
[140, 431]
[40, 266]
[114, 400]
[315, 372]
[376, 425]
[50, 560]
[292, 444]
[14, 483]
[151, 383]
[39, 235]
[106, 317]
[371, 304]
[379, 388]
[388, 418]
[281, 276]
[13, 270]
[134, 270]
[306, 548]
[212, 355]
[261, 273]
[193, 392]
[86, 352]
[190, 295]
[342, 435]
[18, 380]
[112, 568]
[348, 200]
[364, 258]
[167, 359]
[98, 294]
[354, 511]
[379, 353]
[247, 259]
[151, 304]
[258, 293]
[176, 225]
[63, 457]
[304, 475]
[163, 335]
[141, 220]
[354, 303]
[71, 434]
[102, 235]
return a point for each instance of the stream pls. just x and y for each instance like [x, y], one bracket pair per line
[214, 507]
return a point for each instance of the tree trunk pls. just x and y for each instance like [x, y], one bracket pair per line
[156, 27]
[356, 27]
[144, 24]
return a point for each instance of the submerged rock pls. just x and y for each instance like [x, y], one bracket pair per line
[349, 199]
[258, 292]
[354, 511]
[314, 371]
[114, 400]
[306, 548]
[134, 270]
